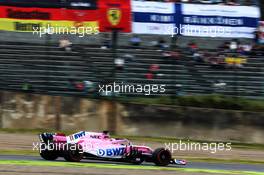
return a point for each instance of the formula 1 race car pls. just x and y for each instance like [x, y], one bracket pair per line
[100, 146]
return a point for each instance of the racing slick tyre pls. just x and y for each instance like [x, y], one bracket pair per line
[48, 154]
[161, 157]
[73, 153]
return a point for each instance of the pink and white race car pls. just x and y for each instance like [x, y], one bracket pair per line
[100, 146]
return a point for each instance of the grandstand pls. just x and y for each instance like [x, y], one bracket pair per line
[33, 64]
[47, 69]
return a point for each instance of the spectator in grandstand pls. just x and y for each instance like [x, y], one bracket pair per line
[135, 41]
[76, 85]
[153, 71]
[171, 56]
[106, 44]
[198, 56]
[65, 44]
[85, 86]
[153, 43]
[89, 86]
[149, 76]
[179, 90]
[233, 45]
[119, 64]
[245, 49]
[154, 68]
[192, 47]
[129, 58]
[218, 85]
[161, 44]
[206, 56]
[79, 86]
[217, 61]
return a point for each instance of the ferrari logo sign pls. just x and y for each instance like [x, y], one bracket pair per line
[114, 16]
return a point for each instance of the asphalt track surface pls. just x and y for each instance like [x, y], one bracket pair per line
[196, 165]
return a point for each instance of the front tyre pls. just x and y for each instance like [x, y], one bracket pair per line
[48, 153]
[161, 157]
[73, 153]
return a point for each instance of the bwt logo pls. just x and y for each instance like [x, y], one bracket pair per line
[111, 152]
[79, 135]
[76, 136]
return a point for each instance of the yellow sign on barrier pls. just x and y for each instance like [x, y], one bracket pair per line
[235, 60]
[54, 27]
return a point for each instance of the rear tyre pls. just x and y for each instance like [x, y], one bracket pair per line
[73, 153]
[161, 157]
[48, 154]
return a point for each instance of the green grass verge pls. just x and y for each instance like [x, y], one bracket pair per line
[19, 152]
[214, 160]
[114, 166]
[189, 159]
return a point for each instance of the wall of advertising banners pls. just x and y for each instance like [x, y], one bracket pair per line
[153, 17]
[194, 19]
[219, 20]
[131, 16]
[29, 15]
